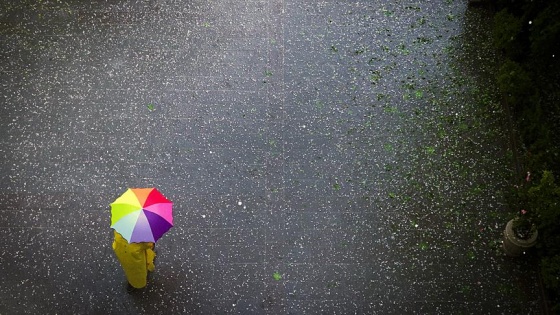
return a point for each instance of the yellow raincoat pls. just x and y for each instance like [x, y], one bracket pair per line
[136, 259]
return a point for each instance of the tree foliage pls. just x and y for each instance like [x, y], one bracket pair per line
[545, 202]
[506, 35]
[527, 33]
[515, 83]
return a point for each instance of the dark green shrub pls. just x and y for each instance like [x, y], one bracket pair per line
[534, 128]
[544, 200]
[515, 84]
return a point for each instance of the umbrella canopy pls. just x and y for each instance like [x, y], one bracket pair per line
[141, 215]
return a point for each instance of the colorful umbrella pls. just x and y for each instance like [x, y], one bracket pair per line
[141, 215]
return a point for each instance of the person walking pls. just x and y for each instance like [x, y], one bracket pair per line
[139, 217]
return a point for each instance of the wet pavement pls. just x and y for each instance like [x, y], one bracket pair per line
[324, 157]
